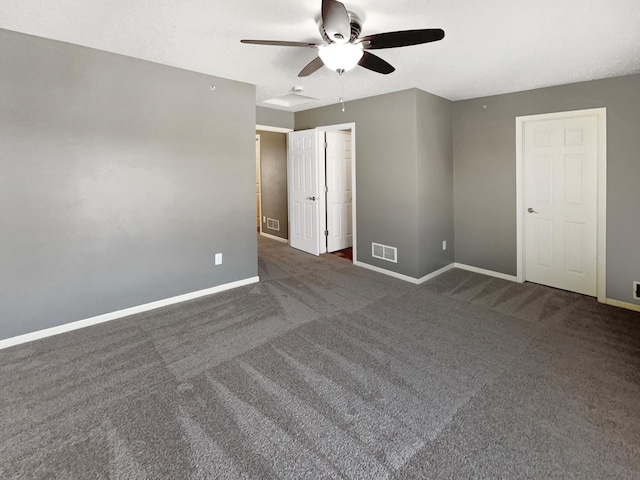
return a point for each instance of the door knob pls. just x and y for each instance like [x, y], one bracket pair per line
[311, 198]
[531, 210]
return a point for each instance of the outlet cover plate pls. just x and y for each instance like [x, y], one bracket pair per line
[218, 259]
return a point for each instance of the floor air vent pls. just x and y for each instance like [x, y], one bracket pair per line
[273, 224]
[384, 252]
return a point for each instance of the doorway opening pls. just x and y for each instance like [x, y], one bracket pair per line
[338, 178]
[322, 190]
[561, 200]
[344, 253]
[271, 171]
[337, 183]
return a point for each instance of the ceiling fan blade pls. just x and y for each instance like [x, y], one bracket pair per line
[278, 43]
[335, 20]
[314, 65]
[402, 39]
[375, 63]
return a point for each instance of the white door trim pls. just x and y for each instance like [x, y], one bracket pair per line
[259, 174]
[267, 128]
[601, 116]
[321, 178]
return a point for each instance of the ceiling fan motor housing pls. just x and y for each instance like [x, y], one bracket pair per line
[354, 22]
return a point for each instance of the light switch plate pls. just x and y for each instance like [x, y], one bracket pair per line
[218, 259]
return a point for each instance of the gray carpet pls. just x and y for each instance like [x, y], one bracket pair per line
[326, 370]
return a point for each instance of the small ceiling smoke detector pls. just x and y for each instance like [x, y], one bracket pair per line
[297, 89]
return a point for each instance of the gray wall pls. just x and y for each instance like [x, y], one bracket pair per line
[435, 182]
[273, 180]
[484, 174]
[119, 181]
[390, 208]
[385, 172]
[274, 118]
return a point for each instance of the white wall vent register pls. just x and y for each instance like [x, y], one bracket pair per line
[273, 224]
[384, 252]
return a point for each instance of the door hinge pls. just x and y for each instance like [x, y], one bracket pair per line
[325, 145]
[326, 189]
[326, 233]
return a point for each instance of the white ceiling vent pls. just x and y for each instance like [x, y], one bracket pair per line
[290, 100]
[384, 252]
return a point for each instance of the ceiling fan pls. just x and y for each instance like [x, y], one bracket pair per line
[343, 49]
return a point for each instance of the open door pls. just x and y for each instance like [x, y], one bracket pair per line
[302, 175]
[339, 194]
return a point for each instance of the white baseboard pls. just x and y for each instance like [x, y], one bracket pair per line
[618, 303]
[428, 277]
[273, 237]
[419, 281]
[107, 317]
[489, 273]
[608, 301]
[406, 278]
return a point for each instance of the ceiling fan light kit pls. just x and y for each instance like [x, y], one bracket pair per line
[343, 49]
[341, 57]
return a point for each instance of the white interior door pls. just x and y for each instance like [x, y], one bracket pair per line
[339, 194]
[560, 203]
[302, 174]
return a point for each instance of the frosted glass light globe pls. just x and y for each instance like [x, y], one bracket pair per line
[341, 56]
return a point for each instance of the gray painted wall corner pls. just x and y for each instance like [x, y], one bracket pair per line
[434, 182]
[386, 152]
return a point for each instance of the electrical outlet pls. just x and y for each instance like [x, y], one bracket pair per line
[444, 244]
[636, 290]
[218, 259]
[264, 219]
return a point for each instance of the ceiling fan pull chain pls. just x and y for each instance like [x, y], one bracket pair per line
[342, 86]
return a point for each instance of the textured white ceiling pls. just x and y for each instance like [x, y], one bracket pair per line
[490, 47]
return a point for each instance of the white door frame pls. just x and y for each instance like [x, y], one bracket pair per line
[322, 217]
[267, 128]
[259, 169]
[601, 116]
